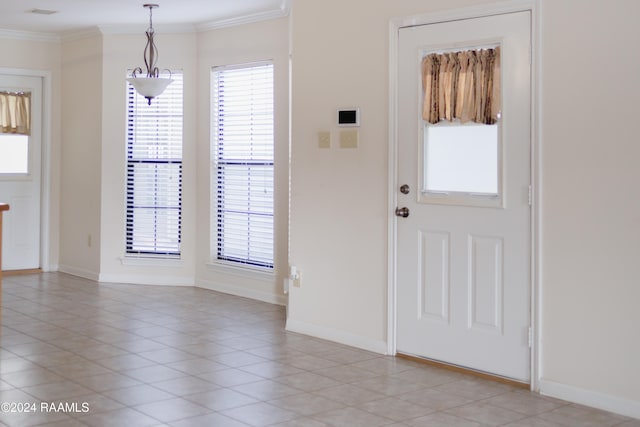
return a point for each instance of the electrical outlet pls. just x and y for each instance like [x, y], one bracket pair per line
[324, 139]
[349, 139]
[294, 276]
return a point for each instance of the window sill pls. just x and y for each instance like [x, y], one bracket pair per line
[247, 272]
[147, 261]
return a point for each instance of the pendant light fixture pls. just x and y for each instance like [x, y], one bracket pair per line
[152, 85]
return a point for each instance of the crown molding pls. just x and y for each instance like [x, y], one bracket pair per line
[29, 36]
[285, 7]
[83, 33]
[137, 29]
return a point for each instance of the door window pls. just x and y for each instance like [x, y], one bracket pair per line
[460, 145]
[461, 159]
[14, 154]
[15, 128]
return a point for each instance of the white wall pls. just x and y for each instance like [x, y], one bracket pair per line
[589, 215]
[42, 54]
[267, 40]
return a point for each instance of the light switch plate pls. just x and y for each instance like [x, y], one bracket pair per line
[349, 138]
[324, 139]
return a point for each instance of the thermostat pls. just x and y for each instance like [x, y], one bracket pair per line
[349, 117]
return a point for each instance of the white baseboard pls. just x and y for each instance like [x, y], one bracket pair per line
[80, 272]
[127, 278]
[50, 268]
[242, 292]
[146, 279]
[606, 402]
[334, 335]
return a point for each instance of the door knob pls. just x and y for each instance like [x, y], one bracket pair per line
[402, 212]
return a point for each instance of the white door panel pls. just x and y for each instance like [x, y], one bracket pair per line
[463, 260]
[21, 224]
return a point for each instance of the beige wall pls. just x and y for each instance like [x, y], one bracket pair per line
[43, 55]
[261, 41]
[339, 196]
[590, 205]
[122, 53]
[81, 152]
[95, 154]
[589, 212]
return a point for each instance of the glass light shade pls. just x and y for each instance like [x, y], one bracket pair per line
[149, 87]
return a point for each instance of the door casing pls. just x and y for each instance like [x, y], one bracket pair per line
[452, 15]
[45, 177]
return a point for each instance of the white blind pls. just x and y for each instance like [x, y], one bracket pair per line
[243, 147]
[154, 172]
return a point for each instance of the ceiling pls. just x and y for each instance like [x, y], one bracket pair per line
[73, 16]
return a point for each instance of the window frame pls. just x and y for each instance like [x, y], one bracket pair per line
[219, 163]
[154, 249]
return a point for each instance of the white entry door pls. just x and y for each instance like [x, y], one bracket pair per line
[463, 257]
[20, 181]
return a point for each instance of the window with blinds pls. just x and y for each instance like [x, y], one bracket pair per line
[243, 172]
[154, 172]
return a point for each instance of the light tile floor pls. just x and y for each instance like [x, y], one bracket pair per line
[129, 355]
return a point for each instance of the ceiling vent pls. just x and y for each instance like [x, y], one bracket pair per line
[43, 11]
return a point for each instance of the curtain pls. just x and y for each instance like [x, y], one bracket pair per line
[15, 112]
[462, 85]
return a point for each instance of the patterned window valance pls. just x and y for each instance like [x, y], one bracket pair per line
[462, 85]
[15, 112]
